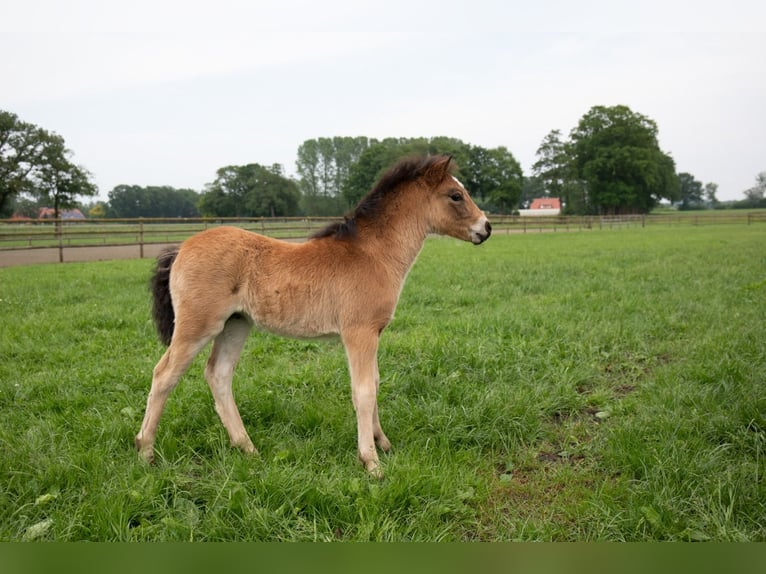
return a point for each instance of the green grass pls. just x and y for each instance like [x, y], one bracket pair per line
[570, 386]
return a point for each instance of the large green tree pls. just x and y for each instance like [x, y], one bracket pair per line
[36, 163]
[251, 190]
[614, 152]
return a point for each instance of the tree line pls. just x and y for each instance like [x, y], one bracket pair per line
[611, 163]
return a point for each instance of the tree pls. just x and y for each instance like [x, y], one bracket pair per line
[251, 190]
[345, 169]
[614, 152]
[324, 165]
[454, 147]
[691, 192]
[36, 163]
[555, 169]
[757, 193]
[368, 168]
[20, 145]
[57, 180]
[382, 154]
[127, 201]
[710, 195]
[496, 177]
[552, 165]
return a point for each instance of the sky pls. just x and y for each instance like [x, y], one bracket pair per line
[155, 92]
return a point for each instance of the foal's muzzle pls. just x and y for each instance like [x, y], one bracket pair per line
[481, 231]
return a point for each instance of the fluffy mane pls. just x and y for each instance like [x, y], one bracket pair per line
[370, 206]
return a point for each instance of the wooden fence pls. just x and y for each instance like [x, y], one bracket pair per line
[131, 238]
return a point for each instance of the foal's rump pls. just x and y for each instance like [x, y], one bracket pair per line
[195, 273]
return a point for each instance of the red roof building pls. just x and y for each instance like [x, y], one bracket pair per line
[546, 203]
[542, 207]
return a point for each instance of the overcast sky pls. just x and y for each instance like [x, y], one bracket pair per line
[153, 92]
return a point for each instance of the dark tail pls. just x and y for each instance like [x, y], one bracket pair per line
[162, 308]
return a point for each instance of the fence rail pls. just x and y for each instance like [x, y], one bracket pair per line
[24, 236]
[574, 222]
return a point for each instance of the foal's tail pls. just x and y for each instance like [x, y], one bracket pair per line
[162, 308]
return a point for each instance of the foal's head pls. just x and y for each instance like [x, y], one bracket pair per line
[451, 211]
[423, 186]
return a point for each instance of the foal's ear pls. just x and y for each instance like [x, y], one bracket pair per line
[439, 170]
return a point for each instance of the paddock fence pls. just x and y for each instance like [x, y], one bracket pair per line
[49, 241]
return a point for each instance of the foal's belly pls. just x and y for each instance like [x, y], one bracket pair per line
[295, 311]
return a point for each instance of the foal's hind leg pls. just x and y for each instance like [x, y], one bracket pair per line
[171, 366]
[219, 372]
[380, 437]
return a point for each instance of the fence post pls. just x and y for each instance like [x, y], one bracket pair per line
[141, 237]
[60, 234]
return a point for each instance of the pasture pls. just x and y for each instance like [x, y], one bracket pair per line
[569, 386]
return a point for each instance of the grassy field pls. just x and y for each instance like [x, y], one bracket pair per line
[579, 386]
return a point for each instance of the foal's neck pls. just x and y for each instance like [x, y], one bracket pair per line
[396, 238]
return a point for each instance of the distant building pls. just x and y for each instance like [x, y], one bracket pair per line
[543, 206]
[49, 213]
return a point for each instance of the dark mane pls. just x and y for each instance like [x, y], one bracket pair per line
[370, 206]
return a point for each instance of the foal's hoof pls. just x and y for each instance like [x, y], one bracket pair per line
[373, 469]
[249, 450]
[245, 446]
[145, 453]
[383, 444]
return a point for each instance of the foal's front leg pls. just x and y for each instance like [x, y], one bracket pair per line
[361, 350]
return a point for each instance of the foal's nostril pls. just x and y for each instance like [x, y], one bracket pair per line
[488, 228]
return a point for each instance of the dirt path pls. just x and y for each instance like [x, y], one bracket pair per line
[9, 258]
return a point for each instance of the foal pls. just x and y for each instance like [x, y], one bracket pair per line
[344, 281]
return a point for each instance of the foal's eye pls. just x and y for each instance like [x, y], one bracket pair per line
[456, 196]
